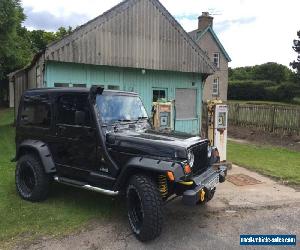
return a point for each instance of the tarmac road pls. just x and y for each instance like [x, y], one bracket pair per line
[267, 208]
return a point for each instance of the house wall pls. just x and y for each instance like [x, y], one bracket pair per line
[11, 94]
[35, 74]
[129, 79]
[209, 45]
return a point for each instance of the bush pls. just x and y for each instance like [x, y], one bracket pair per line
[262, 90]
[246, 90]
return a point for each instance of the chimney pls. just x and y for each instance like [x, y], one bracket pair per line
[204, 21]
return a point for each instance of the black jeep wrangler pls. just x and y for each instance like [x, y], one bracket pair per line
[103, 141]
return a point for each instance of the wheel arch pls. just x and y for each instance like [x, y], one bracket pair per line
[41, 150]
[145, 166]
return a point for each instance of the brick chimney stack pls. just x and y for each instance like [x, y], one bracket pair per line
[204, 21]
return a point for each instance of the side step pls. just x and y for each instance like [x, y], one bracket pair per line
[84, 185]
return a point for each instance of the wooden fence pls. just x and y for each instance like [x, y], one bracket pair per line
[277, 119]
[274, 119]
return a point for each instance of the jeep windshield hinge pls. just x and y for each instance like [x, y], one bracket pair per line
[94, 91]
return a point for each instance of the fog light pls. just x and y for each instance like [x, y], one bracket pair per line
[187, 169]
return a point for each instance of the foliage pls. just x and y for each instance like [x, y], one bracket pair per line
[268, 81]
[268, 71]
[17, 44]
[261, 90]
[296, 64]
[39, 39]
[14, 48]
[267, 160]
[66, 210]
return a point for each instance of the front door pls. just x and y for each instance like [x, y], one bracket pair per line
[76, 146]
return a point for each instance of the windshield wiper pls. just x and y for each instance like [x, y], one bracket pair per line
[124, 120]
[141, 118]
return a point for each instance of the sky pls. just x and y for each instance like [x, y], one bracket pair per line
[252, 31]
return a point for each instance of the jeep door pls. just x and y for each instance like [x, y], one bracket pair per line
[75, 152]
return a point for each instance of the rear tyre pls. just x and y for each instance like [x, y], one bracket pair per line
[144, 208]
[32, 182]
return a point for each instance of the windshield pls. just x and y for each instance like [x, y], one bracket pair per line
[114, 108]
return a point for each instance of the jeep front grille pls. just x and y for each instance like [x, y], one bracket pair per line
[201, 158]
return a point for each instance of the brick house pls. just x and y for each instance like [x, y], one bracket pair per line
[216, 85]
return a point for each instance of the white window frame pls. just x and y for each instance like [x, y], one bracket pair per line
[216, 87]
[216, 59]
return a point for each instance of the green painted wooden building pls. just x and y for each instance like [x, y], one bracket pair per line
[135, 46]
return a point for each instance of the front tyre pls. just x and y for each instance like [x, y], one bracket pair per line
[32, 182]
[144, 208]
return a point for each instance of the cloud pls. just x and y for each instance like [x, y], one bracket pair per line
[227, 24]
[252, 31]
[47, 21]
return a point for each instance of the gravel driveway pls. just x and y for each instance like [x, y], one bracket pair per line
[266, 208]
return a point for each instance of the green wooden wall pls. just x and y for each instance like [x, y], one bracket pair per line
[129, 79]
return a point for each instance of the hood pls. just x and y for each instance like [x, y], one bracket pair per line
[173, 145]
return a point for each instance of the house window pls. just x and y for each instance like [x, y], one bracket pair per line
[215, 87]
[79, 85]
[216, 59]
[186, 104]
[61, 85]
[97, 85]
[158, 94]
[113, 87]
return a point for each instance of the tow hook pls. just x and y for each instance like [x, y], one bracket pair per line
[202, 195]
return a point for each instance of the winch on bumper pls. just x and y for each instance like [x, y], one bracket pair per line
[204, 184]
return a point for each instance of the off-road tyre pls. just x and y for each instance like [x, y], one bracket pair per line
[32, 182]
[144, 206]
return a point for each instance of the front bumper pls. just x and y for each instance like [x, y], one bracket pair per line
[203, 184]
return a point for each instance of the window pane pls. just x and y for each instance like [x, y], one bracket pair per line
[67, 107]
[216, 59]
[158, 94]
[96, 85]
[36, 112]
[61, 85]
[215, 87]
[186, 103]
[79, 85]
[113, 87]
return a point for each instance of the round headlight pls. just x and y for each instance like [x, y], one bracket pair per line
[191, 158]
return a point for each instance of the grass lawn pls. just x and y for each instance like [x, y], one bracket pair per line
[66, 209]
[280, 163]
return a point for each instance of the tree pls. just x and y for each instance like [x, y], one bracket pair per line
[296, 64]
[14, 46]
[271, 71]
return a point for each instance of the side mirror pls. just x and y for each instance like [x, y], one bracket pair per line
[79, 117]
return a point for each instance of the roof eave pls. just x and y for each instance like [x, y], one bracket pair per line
[210, 29]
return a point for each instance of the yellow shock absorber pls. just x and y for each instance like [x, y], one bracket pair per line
[163, 185]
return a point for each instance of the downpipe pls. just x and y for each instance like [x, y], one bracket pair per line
[86, 187]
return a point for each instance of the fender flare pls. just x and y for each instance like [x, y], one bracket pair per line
[42, 150]
[147, 165]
